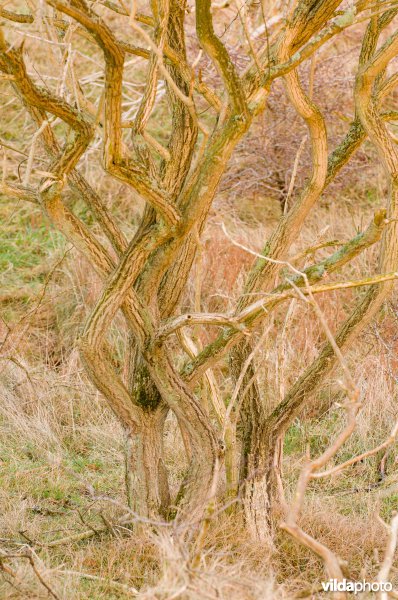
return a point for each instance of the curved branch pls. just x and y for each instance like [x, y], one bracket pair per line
[314, 273]
[115, 163]
[367, 308]
[260, 309]
[216, 50]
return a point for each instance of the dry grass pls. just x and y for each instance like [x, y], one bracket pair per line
[61, 448]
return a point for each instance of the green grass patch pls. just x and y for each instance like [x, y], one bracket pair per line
[26, 240]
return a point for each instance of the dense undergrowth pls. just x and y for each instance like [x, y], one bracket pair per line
[62, 450]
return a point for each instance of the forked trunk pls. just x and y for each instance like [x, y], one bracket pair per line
[155, 388]
[200, 484]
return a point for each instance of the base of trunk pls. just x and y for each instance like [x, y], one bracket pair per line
[257, 510]
[146, 475]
